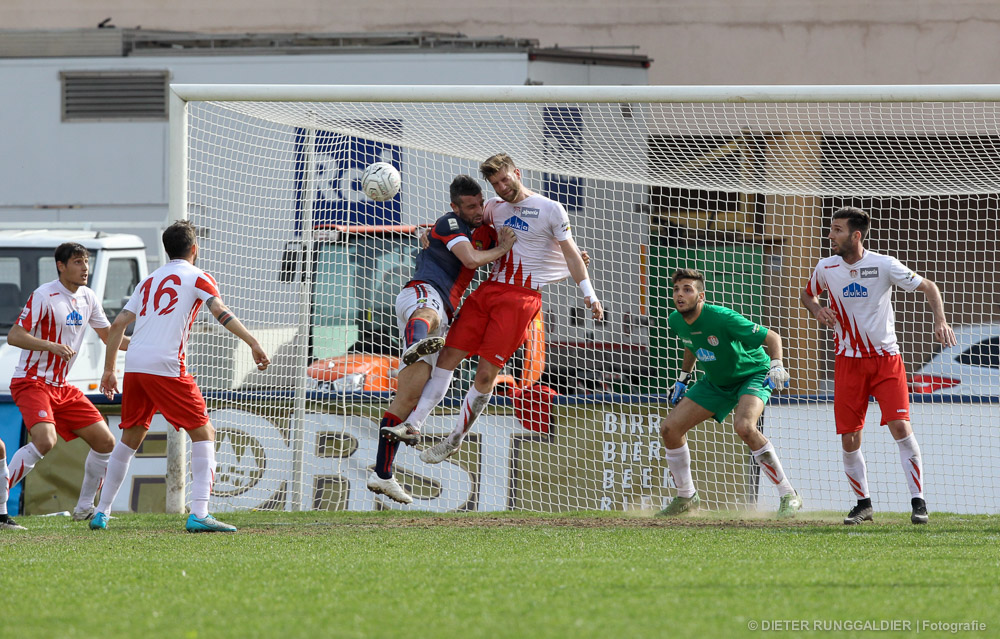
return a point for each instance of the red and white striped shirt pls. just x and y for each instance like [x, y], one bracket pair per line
[54, 314]
[536, 259]
[165, 305]
[861, 296]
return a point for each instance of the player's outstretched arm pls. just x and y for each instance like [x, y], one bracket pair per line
[23, 339]
[113, 339]
[942, 330]
[472, 258]
[234, 326]
[578, 270]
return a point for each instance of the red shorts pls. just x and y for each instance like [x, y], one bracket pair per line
[177, 398]
[494, 321]
[64, 406]
[857, 378]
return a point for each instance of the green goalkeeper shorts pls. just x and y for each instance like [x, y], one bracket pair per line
[721, 400]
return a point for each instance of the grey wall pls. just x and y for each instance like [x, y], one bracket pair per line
[692, 41]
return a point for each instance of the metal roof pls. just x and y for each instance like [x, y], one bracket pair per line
[44, 238]
[114, 42]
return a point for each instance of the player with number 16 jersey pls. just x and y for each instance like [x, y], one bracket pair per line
[165, 305]
[163, 308]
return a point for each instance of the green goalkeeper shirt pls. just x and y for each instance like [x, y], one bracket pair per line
[726, 344]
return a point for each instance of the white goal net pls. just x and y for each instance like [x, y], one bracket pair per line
[738, 183]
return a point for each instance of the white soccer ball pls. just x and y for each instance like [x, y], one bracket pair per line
[381, 181]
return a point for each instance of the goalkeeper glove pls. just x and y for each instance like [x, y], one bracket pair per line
[680, 387]
[777, 376]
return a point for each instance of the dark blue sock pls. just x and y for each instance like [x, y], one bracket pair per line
[386, 449]
[416, 330]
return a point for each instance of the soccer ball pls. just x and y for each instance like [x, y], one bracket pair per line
[381, 181]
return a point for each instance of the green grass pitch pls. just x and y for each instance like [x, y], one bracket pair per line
[402, 575]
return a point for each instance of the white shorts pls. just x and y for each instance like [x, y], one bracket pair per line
[416, 296]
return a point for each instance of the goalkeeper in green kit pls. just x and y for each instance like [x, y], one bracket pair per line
[738, 375]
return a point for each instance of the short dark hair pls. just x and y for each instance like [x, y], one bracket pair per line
[68, 250]
[463, 185]
[178, 239]
[496, 163]
[689, 274]
[857, 219]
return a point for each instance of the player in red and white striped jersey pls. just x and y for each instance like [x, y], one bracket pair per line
[50, 329]
[859, 291]
[494, 320]
[457, 245]
[163, 308]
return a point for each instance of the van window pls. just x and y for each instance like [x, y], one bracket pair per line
[123, 277]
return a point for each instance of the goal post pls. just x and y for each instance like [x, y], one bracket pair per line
[739, 182]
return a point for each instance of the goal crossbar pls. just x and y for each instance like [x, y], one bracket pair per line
[591, 94]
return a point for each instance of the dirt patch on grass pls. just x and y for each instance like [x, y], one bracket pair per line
[458, 520]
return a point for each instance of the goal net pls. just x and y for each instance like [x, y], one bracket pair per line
[737, 182]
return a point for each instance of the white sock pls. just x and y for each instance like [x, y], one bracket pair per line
[93, 475]
[913, 465]
[767, 459]
[679, 464]
[4, 488]
[472, 407]
[22, 462]
[202, 476]
[857, 473]
[434, 391]
[114, 476]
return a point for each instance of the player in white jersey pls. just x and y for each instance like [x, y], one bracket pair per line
[494, 320]
[163, 308]
[457, 245]
[859, 289]
[50, 329]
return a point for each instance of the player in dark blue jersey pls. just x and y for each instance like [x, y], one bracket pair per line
[459, 243]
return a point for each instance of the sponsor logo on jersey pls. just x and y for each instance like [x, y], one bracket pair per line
[516, 223]
[855, 290]
[696, 332]
[756, 327]
[687, 342]
[705, 355]
[74, 319]
[453, 224]
[713, 340]
[832, 266]
[527, 213]
[869, 272]
[24, 312]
